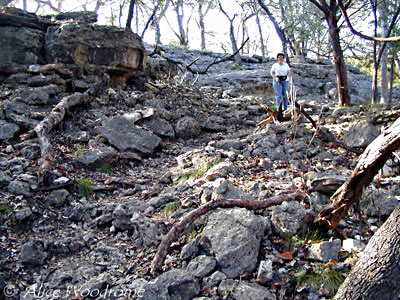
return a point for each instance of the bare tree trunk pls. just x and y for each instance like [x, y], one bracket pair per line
[331, 18]
[377, 272]
[232, 37]
[202, 27]
[376, 62]
[130, 14]
[278, 29]
[157, 20]
[180, 13]
[391, 78]
[371, 161]
[384, 60]
[341, 73]
[149, 21]
[261, 35]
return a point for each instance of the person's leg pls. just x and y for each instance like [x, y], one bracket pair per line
[285, 90]
[278, 93]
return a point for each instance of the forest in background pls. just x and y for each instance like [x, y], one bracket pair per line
[331, 16]
[361, 33]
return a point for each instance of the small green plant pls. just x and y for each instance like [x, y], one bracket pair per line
[79, 151]
[291, 241]
[236, 67]
[175, 45]
[170, 208]
[6, 209]
[325, 277]
[312, 236]
[106, 168]
[85, 187]
[199, 172]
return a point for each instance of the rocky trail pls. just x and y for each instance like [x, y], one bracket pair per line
[134, 160]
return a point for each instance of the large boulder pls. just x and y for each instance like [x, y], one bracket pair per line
[71, 39]
[123, 134]
[21, 37]
[96, 49]
[233, 236]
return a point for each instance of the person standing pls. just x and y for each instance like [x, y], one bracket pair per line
[280, 72]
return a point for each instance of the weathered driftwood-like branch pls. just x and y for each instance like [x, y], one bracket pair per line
[325, 133]
[55, 117]
[371, 161]
[188, 219]
[277, 115]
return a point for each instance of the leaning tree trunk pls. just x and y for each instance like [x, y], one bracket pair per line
[371, 161]
[377, 272]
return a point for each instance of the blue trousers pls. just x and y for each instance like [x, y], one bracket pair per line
[281, 88]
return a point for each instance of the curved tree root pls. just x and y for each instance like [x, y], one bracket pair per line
[188, 219]
[55, 117]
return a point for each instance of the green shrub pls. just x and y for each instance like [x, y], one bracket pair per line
[325, 277]
[236, 67]
[85, 187]
[106, 168]
[170, 208]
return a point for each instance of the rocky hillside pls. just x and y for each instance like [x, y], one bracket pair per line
[132, 161]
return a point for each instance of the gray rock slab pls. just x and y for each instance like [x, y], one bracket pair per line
[233, 237]
[171, 285]
[126, 136]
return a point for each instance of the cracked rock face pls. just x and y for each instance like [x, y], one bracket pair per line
[233, 237]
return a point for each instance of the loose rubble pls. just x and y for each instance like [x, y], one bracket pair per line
[128, 165]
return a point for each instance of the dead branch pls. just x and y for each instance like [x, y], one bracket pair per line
[371, 161]
[55, 117]
[202, 72]
[328, 137]
[188, 219]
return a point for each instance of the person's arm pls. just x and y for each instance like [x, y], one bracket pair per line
[273, 74]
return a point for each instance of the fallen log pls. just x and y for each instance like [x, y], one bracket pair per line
[371, 161]
[188, 219]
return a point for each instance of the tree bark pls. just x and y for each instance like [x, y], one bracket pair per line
[188, 219]
[341, 73]
[333, 29]
[130, 14]
[261, 34]
[278, 29]
[377, 272]
[371, 161]
[202, 28]
[384, 62]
